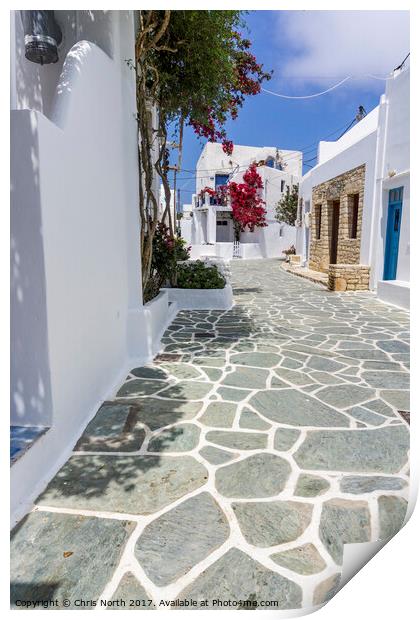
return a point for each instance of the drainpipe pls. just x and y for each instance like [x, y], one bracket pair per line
[42, 36]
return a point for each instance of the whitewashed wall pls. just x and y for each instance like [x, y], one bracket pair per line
[77, 316]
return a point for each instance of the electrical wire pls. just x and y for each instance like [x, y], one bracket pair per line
[324, 92]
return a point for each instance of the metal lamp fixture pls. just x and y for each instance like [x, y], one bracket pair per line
[42, 36]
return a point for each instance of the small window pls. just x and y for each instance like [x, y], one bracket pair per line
[282, 186]
[318, 218]
[353, 215]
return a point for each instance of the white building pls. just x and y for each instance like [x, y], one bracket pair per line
[78, 320]
[212, 231]
[353, 216]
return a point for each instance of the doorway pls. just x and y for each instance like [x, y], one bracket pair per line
[335, 222]
[393, 233]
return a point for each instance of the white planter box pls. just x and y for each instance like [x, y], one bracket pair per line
[201, 298]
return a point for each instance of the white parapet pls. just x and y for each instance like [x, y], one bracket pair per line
[395, 292]
[201, 298]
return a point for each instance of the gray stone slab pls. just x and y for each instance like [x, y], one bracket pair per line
[155, 412]
[113, 429]
[327, 589]
[390, 380]
[238, 578]
[324, 364]
[251, 420]
[392, 511]
[364, 415]
[297, 409]
[180, 538]
[130, 595]
[379, 406]
[382, 450]
[326, 378]
[343, 396]
[367, 484]
[400, 399]
[393, 346]
[232, 394]
[181, 370]
[219, 414]
[215, 456]
[187, 390]
[265, 524]
[238, 440]
[294, 376]
[284, 438]
[134, 388]
[60, 556]
[258, 475]
[178, 438]
[149, 372]
[260, 360]
[343, 521]
[128, 484]
[311, 486]
[304, 560]
[250, 378]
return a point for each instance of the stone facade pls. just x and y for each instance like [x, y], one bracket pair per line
[342, 190]
[348, 277]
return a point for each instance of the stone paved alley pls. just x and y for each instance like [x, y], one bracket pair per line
[236, 465]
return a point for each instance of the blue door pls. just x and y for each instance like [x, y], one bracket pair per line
[393, 233]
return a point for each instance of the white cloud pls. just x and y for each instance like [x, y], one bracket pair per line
[340, 43]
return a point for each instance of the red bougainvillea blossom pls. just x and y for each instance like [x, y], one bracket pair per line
[247, 79]
[247, 205]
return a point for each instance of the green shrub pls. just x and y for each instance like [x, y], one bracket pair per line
[198, 275]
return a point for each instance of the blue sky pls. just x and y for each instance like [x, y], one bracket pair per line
[310, 51]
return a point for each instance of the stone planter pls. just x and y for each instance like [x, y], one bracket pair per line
[201, 298]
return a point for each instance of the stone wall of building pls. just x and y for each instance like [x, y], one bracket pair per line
[348, 277]
[342, 189]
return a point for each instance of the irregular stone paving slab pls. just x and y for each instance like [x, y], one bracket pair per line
[215, 456]
[379, 406]
[140, 387]
[219, 414]
[147, 372]
[304, 560]
[367, 484]
[326, 378]
[400, 399]
[393, 346]
[364, 415]
[343, 521]
[311, 486]
[323, 363]
[214, 374]
[217, 362]
[178, 438]
[251, 378]
[60, 556]
[293, 376]
[297, 409]
[343, 396]
[113, 429]
[260, 360]
[392, 511]
[382, 450]
[232, 394]
[285, 438]
[238, 578]
[177, 540]
[258, 475]
[265, 524]
[327, 589]
[249, 419]
[187, 390]
[156, 413]
[129, 484]
[369, 354]
[181, 371]
[390, 380]
[130, 596]
[238, 440]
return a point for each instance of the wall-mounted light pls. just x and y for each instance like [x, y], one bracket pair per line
[42, 36]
